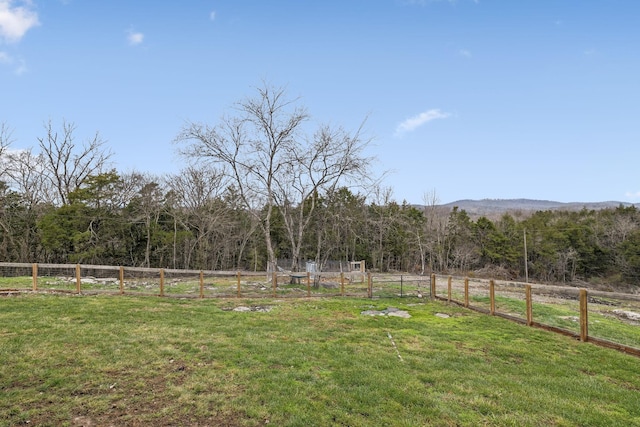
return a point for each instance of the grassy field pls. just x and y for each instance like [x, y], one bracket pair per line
[561, 311]
[137, 361]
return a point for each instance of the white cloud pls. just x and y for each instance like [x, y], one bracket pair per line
[415, 122]
[5, 58]
[16, 18]
[212, 15]
[465, 53]
[135, 38]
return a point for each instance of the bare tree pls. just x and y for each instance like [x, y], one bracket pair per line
[332, 157]
[146, 208]
[431, 201]
[6, 139]
[432, 227]
[197, 193]
[27, 175]
[435, 233]
[5, 142]
[130, 185]
[380, 218]
[265, 155]
[68, 165]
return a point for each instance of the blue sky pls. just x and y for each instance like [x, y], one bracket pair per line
[469, 99]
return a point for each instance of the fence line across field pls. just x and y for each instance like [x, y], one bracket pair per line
[496, 298]
[93, 279]
[516, 301]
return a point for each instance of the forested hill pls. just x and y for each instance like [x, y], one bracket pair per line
[497, 207]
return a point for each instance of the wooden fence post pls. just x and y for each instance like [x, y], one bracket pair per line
[449, 289]
[492, 296]
[201, 284]
[369, 285]
[162, 282]
[34, 274]
[308, 284]
[527, 292]
[275, 282]
[121, 280]
[584, 318]
[433, 286]
[78, 280]
[466, 292]
[238, 278]
[342, 283]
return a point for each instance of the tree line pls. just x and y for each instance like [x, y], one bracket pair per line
[262, 191]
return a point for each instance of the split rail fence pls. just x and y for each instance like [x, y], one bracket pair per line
[603, 318]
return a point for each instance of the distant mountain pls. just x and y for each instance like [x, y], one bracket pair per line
[496, 207]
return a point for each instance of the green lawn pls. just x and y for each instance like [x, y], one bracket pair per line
[112, 360]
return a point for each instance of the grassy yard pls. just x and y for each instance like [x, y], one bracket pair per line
[137, 361]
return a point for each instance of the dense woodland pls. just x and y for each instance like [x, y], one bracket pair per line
[183, 221]
[263, 195]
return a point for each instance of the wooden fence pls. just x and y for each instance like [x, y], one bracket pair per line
[95, 279]
[586, 316]
[486, 296]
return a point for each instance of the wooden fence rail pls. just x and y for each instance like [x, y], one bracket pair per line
[300, 284]
[583, 298]
[80, 278]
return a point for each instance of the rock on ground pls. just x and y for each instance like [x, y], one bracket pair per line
[631, 315]
[391, 311]
[259, 309]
